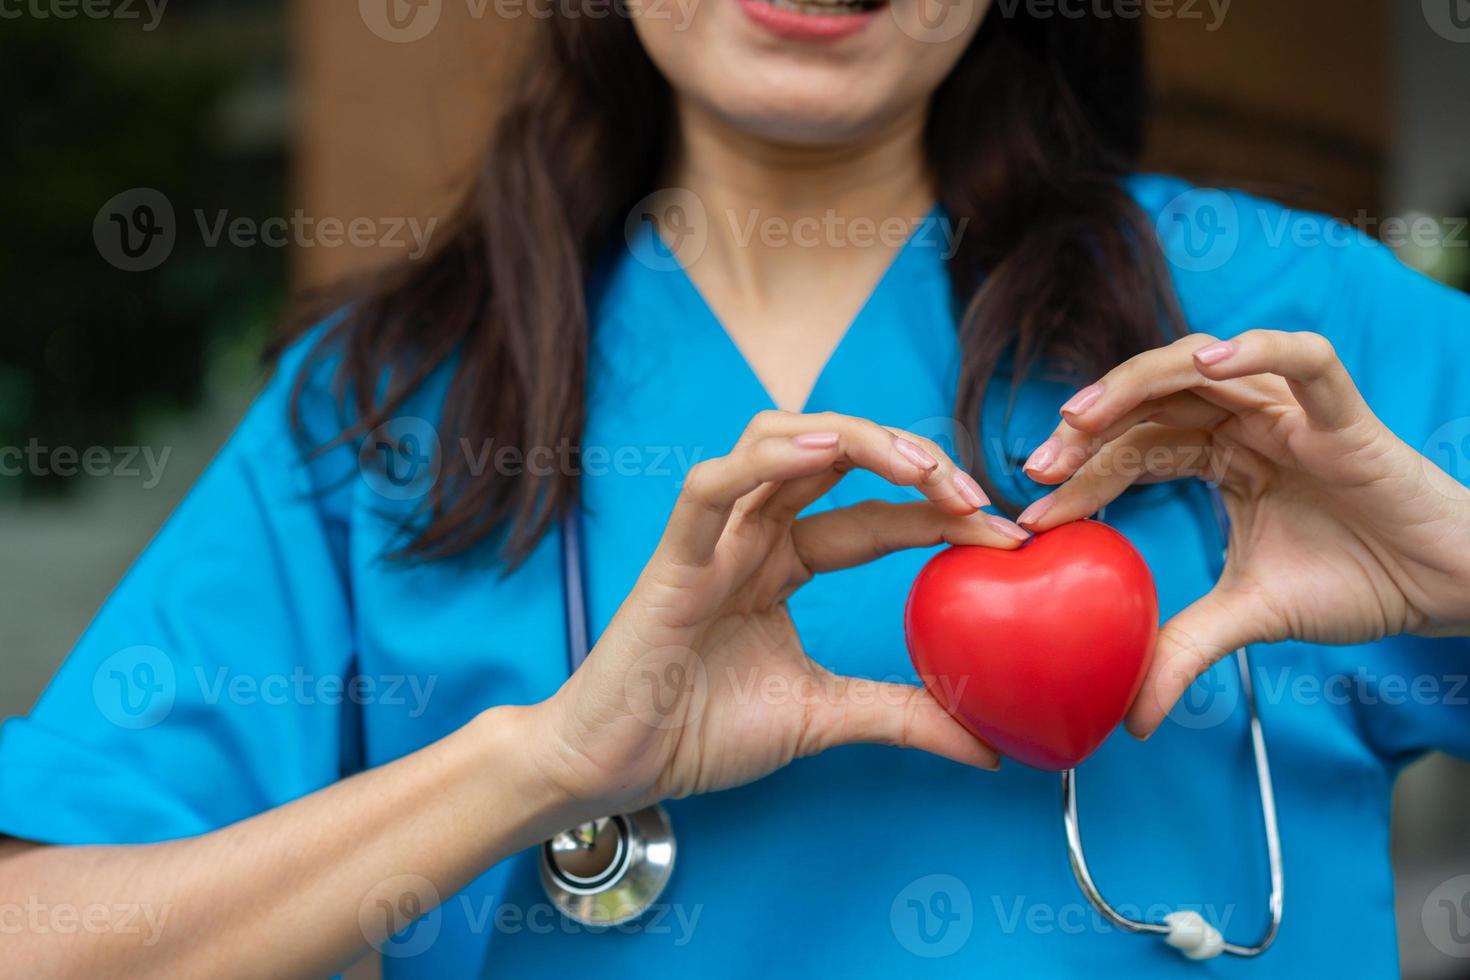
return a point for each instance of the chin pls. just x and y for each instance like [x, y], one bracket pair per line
[809, 72]
[807, 114]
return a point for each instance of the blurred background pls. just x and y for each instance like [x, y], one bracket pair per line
[183, 166]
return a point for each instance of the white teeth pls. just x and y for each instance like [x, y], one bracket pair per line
[825, 7]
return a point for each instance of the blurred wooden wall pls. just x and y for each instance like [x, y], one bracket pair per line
[1286, 96]
[1291, 96]
[391, 128]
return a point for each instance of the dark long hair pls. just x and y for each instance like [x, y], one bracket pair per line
[1027, 139]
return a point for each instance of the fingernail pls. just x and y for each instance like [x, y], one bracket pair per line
[993, 767]
[1045, 455]
[815, 440]
[1013, 531]
[1034, 513]
[1215, 353]
[914, 454]
[1083, 400]
[969, 490]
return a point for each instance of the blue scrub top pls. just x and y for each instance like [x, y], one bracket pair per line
[218, 680]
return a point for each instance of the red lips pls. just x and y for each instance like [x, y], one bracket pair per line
[1038, 651]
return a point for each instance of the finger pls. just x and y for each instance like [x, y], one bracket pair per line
[901, 458]
[951, 473]
[1211, 629]
[855, 535]
[1308, 362]
[795, 496]
[1068, 447]
[1149, 453]
[712, 488]
[1144, 377]
[1154, 375]
[755, 500]
[880, 713]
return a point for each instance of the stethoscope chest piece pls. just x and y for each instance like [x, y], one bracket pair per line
[609, 871]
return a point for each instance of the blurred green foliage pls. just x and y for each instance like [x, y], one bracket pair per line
[97, 107]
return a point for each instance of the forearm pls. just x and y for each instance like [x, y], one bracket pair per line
[289, 892]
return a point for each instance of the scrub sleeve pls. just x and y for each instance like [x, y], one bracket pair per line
[209, 686]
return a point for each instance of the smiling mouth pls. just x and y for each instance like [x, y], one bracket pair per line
[825, 8]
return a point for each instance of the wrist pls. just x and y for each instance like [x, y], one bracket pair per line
[1459, 604]
[533, 803]
[1460, 580]
[1447, 589]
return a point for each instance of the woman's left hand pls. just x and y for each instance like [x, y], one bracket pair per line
[1340, 532]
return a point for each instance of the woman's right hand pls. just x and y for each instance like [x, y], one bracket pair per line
[700, 682]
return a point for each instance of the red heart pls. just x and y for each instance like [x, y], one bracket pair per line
[1039, 651]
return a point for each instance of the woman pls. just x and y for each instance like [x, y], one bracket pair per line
[331, 698]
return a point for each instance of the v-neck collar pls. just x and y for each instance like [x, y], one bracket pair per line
[649, 250]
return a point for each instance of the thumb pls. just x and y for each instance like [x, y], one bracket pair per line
[1202, 634]
[881, 713]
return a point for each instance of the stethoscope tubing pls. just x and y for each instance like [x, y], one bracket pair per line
[1276, 902]
[579, 642]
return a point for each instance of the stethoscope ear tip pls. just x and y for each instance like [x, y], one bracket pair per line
[1193, 936]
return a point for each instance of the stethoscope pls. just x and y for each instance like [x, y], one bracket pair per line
[611, 870]
[607, 871]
